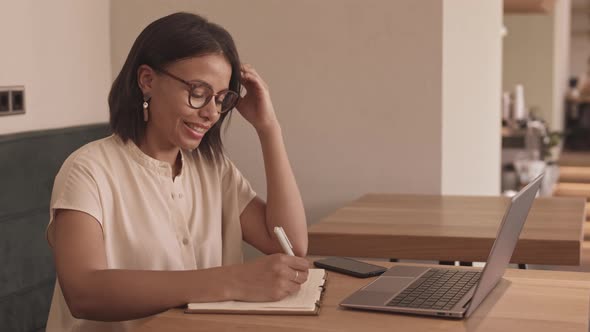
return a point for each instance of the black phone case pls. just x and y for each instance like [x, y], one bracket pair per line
[350, 272]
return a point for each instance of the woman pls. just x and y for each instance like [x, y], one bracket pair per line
[153, 216]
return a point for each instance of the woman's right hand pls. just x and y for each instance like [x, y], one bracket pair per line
[269, 278]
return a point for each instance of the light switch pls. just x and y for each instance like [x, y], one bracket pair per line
[12, 100]
[18, 100]
[4, 101]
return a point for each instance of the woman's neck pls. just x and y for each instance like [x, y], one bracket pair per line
[163, 152]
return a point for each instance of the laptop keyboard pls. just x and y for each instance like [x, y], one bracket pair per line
[437, 289]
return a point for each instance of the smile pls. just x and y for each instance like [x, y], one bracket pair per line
[196, 127]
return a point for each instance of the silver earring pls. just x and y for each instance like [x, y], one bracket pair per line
[145, 110]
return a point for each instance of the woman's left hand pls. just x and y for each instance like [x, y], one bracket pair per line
[256, 106]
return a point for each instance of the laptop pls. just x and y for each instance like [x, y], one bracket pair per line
[447, 292]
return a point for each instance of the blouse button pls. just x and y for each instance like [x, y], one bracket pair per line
[173, 195]
[185, 241]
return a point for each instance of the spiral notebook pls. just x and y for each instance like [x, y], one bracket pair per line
[305, 302]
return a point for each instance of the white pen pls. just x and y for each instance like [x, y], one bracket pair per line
[284, 240]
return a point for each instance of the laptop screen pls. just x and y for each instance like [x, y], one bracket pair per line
[505, 242]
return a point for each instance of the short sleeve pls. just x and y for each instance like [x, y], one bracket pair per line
[236, 194]
[75, 188]
[236, 190]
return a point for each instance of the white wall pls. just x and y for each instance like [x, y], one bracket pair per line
[359, 87]
[60, 51]
[472, 68]
[356, 86]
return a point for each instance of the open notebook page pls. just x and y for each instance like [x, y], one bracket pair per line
[304, 300]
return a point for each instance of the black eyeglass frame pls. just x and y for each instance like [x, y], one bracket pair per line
[198, 83]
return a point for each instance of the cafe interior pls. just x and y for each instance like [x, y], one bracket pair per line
[410, 127]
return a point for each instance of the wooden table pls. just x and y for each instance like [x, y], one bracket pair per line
[525, 300]
[448, 228]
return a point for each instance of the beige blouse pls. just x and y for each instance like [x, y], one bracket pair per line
[148, 220]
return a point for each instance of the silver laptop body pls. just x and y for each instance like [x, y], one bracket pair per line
[410, 289]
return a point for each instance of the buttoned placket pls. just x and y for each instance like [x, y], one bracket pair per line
[178, 207]
[179, 210]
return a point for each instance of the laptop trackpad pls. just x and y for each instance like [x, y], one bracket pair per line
[378, 293]
[405, 271]
[391, 285]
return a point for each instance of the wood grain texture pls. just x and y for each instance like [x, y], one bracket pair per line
[574, 174]
[568, 189]
[573, 158]
[434, 227]
[525, 300]
[528, 6]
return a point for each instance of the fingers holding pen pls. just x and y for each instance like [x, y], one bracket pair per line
[298, 265]
[300, 276]
[269, 278]
[296, 268]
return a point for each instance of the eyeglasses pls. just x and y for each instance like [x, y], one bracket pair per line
[200, 94]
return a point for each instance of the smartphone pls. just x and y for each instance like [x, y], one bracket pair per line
[350, 267]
